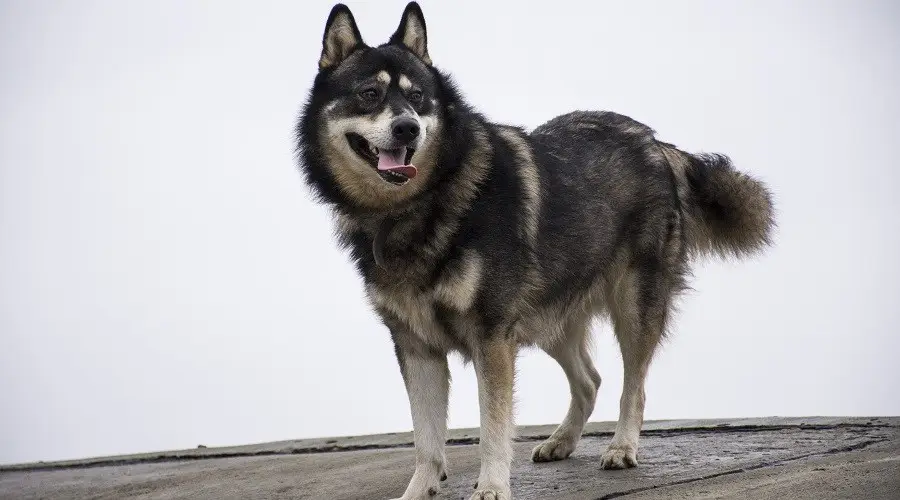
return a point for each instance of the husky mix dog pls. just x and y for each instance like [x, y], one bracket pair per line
[481, 238]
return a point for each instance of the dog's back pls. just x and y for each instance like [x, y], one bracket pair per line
[609, 181]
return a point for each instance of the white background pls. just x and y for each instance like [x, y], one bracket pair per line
[166, 280]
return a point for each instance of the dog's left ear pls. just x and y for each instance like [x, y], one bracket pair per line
[411, 32]
[341, 37]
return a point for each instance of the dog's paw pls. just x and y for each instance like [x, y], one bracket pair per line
[492, 494]
[553, 449]
[425, 483]
[619, 457]
[429, 494]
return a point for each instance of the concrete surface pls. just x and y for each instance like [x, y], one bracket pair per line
[793, 458]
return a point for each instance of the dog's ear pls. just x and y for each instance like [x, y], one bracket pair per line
[341, 37]
[411, 32]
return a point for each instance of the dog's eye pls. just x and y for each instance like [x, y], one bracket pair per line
[415, 96]
[369, 94]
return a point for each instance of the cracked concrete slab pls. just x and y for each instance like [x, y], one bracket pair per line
[817, 458]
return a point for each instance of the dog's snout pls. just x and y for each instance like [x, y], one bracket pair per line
[405, 129]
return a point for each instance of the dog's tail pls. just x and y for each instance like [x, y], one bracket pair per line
[726, 212]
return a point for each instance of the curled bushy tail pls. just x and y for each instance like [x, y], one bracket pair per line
[727, 212]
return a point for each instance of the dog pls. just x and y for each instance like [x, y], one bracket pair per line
[482, 238]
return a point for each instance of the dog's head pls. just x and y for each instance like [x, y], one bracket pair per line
[374, 115]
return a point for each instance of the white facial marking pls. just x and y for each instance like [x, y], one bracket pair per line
[375, 129]
[404, 82]
[383, 77]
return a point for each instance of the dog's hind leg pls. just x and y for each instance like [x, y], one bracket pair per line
[573, 355]
[640, 307]
[494, 361]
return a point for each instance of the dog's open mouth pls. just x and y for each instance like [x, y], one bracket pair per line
[393, 165]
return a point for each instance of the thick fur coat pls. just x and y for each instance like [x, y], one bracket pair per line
[480, 238]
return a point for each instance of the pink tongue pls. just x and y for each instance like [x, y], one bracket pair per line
[393, 160]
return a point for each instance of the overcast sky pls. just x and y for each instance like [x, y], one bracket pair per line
[167, 281]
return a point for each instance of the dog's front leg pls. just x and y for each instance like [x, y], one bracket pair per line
[427, 379]
[495, 367]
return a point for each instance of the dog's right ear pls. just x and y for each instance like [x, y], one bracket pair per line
[411, 33]
[341, 37]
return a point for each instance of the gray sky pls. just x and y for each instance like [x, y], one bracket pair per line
[166, 279]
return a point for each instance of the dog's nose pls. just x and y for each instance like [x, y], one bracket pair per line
[405, 129]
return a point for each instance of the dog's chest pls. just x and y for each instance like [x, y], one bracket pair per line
[414, 308]
[439, 314]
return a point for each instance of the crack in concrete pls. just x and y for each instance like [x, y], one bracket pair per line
[729, 429]
[843, 449]
[337, 448]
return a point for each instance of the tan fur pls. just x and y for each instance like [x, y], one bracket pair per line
[638, 338]
[530, 178]
[404, 82]
[416, 311]
[458, 290]
[495, 370]
[345, 224]
[697, 232]
[546, 326]
[573, 355]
